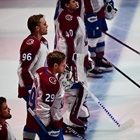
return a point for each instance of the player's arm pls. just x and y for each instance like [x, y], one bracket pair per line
[68, 27]
[40, 99]
[56, 115]
[28, 59]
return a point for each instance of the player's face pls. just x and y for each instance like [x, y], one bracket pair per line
[5, 111]
[72, 5]
[62, 66]
[43, 26]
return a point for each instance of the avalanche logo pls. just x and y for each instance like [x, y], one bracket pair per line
[68, 17]
[52, 80]
[30, 42]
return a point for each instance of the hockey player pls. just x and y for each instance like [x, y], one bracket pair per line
[79, 11]
[95, 14]
[5, 129]
[70, 36]
[46, 97]
[33, 53]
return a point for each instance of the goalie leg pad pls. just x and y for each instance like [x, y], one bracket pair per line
[84, 113]
[74, 99]
[79, 60]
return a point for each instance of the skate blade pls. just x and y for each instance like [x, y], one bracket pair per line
[127, 124]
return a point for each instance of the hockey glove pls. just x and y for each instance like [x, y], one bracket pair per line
[66, 79]
[91, 22]
[111, 2]
[52, 130]
[110, 11]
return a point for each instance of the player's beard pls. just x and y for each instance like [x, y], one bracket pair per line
[9, 116]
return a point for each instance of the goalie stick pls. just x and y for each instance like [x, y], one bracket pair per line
[120, 41]
[123, 126]
[44, 129]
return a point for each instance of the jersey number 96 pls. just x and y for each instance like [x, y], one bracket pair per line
[27, 57]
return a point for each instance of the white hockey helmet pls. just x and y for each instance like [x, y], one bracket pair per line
[110, 12]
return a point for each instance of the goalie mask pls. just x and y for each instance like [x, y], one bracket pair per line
[110, 12]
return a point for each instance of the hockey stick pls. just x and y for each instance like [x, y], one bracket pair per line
[44, 129]
[120, 41]
[123, 126]
[37, 120]
[127, 124]
[118, 70]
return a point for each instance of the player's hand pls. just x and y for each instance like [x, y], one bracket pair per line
[54, 132]
[66, 78]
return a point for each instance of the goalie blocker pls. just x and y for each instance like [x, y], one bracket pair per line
[75, 109]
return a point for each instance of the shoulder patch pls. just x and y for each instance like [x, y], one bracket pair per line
[52, 80]
[68, 17]
[29, 41]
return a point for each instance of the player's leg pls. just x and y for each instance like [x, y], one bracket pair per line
[93, 37]
[81, 62]
[100, 49]
[27, 133]
[74, 99]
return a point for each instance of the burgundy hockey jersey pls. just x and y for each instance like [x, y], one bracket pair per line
[33, 55]
[94, 6]
[48, 99]
[70, 31]
[6, 133]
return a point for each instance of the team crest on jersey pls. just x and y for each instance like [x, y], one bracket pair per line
[30, 42]
[69, 17]
[52, 80]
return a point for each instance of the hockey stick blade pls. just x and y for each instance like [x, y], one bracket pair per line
[127, 124]
[123, 126]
